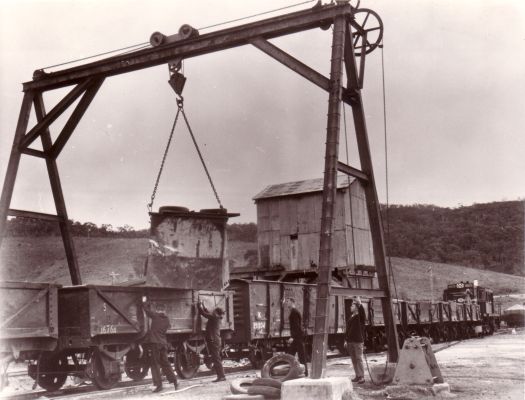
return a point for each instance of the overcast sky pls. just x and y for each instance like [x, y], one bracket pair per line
[455, 87]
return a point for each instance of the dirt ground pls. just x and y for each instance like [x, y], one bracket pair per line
[490, 368]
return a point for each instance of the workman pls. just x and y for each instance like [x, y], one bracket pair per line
[157, 345]
[213, 337]
[355, 338]
[296, 341]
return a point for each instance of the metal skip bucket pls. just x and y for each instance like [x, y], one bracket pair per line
[188, 249]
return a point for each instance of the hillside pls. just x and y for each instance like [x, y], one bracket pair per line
[488, 236]
[42, 260]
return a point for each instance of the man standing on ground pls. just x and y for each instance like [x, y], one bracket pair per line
[355, 338]
[296, 341]
[213, 338]
[157, 345]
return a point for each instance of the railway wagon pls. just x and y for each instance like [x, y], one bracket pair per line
[261, 317]
[99, 330]
[29, 321]
[438, 320]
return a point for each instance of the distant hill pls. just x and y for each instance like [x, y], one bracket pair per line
[42, 259]
[486, 236]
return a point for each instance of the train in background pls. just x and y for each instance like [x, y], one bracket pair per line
[262, 327]
[94, 332]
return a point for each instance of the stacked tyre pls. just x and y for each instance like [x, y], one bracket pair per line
[275, 371]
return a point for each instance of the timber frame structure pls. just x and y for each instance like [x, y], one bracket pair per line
[88, 78]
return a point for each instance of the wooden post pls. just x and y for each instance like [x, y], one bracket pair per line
[322, 309]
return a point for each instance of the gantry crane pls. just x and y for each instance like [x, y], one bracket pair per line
[356, 32]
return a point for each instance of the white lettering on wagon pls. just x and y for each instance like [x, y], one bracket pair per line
[108, 329]
[258, 327]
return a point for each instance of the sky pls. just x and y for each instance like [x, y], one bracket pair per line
[454, 93]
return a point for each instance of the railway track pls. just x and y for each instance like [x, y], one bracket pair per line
[89, 391]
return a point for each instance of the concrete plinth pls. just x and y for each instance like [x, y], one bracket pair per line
[316, 389]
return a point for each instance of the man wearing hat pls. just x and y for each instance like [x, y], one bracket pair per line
[157, 344]
[213, 337]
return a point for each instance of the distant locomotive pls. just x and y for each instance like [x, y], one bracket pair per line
[470, 292]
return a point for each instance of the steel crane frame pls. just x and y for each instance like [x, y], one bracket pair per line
[88, 78]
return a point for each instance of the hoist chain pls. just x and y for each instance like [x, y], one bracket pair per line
[150, 204]
[202, 159]
[180, 106]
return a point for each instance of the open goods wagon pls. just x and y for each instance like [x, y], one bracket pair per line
[97, 332]
[29, 319]
[262, 326]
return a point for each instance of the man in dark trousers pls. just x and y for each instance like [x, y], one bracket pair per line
[213, 337]
[157, 345]
[296, 340]
[355, 339]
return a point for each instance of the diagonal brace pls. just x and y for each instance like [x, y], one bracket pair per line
[22, 309]
[76, 116]
[52, 116]
[117, 309]
[292, 63]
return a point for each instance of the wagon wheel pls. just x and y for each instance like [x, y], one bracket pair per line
[446, 334]
[434, 334]
[368, 33]
[97, 372]
[453, 332]
[255, 357]
[187, 362]
[342, 348]
[208, 361]
[52, 371]
[136, 365]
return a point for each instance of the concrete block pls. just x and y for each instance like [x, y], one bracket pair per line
[440, 387]
[315, 389]
[382, 374]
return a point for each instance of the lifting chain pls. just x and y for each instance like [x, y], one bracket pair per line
[180, 109]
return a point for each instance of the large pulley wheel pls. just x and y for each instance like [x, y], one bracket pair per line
[367, 31]
[103, 376]
[187, 362]
[136, 365]
[52, 371]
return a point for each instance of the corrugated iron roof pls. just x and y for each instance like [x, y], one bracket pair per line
[300, 187]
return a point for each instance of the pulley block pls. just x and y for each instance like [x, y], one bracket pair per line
[367, 31]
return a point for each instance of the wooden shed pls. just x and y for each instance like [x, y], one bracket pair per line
[289, 222]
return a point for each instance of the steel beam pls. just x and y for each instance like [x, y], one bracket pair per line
[322, 309]
[76, 116]
[351, 292]
[14, 161]
[58, 196]
[204, 44]
[348, 170]
[372, 202]
[32, 214]
[34, 153]
[56, 112]
[292, 63]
